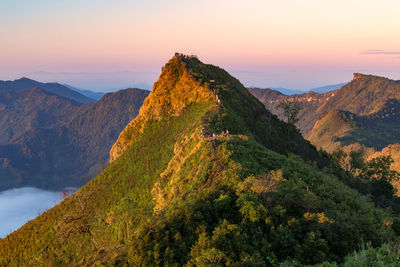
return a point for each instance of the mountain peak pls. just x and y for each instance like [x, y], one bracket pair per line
[25, 79]
[186, 83]
[183, 56]
[175, 89]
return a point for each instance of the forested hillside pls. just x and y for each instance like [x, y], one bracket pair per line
[205, 176]
[52, 142]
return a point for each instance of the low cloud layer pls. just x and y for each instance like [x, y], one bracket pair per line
[379, 52]
[18, 206]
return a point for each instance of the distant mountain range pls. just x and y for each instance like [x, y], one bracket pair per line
[88, 93]
[52, 141]
[287, 91]
[327, 88]
[362, 114]
[24, 84]
[321, 90]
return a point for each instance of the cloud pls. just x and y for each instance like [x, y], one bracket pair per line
[379, 52]
[17, 206]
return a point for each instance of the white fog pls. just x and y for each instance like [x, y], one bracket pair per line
[19, 205]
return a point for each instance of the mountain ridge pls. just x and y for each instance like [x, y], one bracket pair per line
[88, 93]
[363, 96]
[24, 84]
[178, 195]
[169, 106]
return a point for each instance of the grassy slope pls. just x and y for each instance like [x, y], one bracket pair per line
[326, 131]
[128, 181]
[143, 163]
[344, 129]
[174, 197]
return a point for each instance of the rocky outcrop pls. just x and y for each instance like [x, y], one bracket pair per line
[357, 76]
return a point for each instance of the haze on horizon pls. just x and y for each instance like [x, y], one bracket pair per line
[298, 44]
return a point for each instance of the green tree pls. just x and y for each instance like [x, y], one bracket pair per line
[352, 162]
[356, 161]
[291, 110]
[377, 171]
[379, 168]
[340, 157]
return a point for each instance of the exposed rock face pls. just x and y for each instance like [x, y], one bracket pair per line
[357, 76]
[174, 90]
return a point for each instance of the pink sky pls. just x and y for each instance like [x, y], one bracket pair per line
[290, 43]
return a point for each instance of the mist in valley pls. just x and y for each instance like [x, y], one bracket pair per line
[19, 205]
